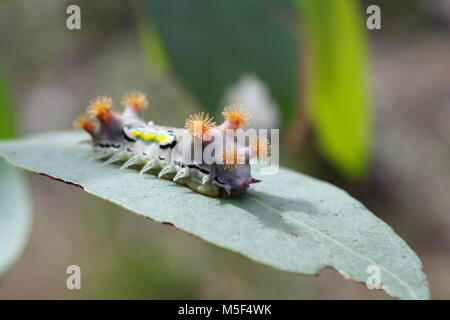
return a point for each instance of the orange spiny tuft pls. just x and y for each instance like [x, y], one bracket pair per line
[261, 147]
[237, 115]
[83, 122]
[231, 157]
[99, 108]
[198, 124]
[135, 99]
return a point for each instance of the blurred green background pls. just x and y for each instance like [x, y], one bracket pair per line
[366, 110]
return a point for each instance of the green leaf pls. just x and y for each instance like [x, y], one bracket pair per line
[7, 115]
[289, 221]
[151, 42]
[340, 101]
[210, 44]
[15, 215]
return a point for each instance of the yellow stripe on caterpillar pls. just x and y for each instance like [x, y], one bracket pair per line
[149, 136]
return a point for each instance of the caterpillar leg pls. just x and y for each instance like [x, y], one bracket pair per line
[132, 161]
[206, 178]
[150, 165]
[225, 187]
[182, 174]
[168, 170]
[116, 157]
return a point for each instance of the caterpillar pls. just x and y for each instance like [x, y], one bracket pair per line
[167, 152]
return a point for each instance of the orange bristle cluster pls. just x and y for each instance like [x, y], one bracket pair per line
[231, 157]
[236, 115]
[83, 122]
[261, 147]
[136, 100]
[198, 124]
[99, 108]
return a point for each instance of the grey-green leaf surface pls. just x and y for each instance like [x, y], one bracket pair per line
[15, 215]
[290, 221]
[15, 211]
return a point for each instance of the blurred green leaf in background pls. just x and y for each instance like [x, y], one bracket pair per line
[15, 208]
[210, 44]
[151, 42]
[8, 122]
[339, 101]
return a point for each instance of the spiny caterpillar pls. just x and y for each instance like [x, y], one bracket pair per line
[162, 151]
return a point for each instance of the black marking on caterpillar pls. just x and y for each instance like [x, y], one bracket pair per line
[193, 166]
[156, 149]
[127, 137]
[171, 145]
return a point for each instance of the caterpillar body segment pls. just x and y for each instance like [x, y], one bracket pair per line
[161, 151]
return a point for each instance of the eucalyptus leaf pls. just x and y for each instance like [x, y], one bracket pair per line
[15, 215]
[15, 209]
[289, 221]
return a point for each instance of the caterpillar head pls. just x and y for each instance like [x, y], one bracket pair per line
[235, 181]
[233, 177]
